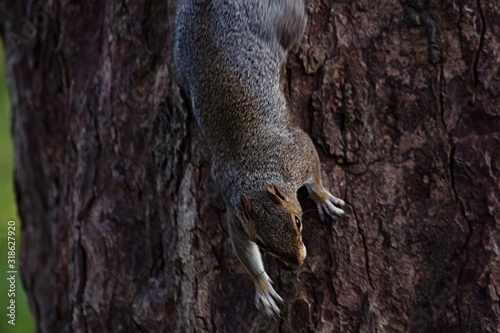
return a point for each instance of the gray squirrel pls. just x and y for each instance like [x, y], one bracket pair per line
[228, 54]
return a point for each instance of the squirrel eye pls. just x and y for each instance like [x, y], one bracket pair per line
[297, 222]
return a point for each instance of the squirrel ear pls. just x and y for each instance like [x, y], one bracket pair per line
[247, 205]
[276, 193]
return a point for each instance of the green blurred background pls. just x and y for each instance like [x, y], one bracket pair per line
[8, 212]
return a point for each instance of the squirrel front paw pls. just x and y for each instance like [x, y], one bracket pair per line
[266, 297]
[331, 207]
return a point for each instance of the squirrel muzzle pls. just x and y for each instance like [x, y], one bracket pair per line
[288, 262]
[291, 263]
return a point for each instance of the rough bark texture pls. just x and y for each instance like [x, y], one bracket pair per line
[123, 230]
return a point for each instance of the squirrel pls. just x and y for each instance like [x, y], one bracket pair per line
[228, 55]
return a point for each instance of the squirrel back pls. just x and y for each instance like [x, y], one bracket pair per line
[229, 55]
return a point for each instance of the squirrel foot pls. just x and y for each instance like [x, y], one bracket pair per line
[265, 300]
[330, 208]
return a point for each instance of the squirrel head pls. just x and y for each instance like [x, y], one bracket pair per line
[275, 225]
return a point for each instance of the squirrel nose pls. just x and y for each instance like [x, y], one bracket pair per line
[302, 256]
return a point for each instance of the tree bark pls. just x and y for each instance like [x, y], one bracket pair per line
[123, 231]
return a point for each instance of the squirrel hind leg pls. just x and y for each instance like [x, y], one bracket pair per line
[292, 23]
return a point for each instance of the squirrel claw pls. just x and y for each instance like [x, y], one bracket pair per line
[266, 300]
[330, 207]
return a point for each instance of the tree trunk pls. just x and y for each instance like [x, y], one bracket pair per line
[122, 230]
